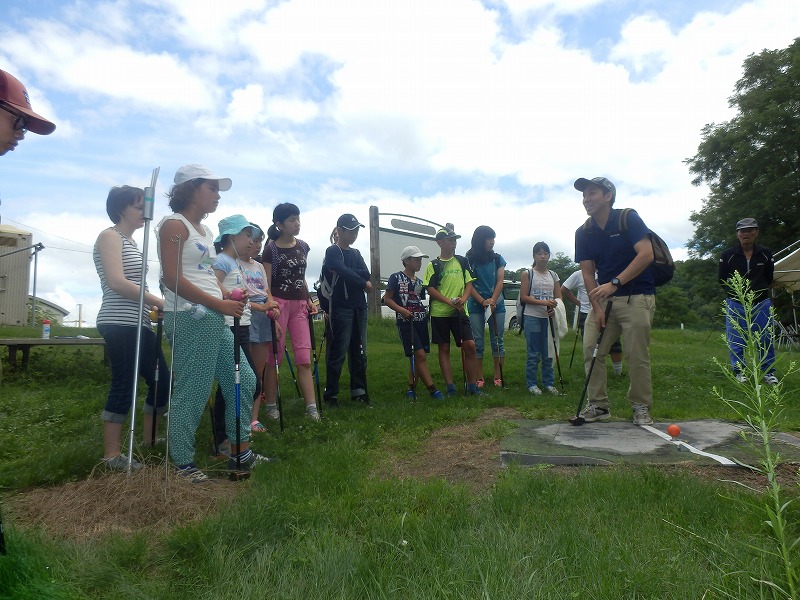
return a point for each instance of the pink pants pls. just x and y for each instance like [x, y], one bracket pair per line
[294, 321]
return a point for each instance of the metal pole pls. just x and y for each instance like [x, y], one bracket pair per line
[147, 214]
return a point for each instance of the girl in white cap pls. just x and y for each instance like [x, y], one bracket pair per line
[196, 318]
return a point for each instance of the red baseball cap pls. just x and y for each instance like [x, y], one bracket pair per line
[13, 93]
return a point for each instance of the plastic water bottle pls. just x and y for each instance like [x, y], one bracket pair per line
[45, 329]
[197, 311]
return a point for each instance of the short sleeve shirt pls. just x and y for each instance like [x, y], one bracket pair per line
[408, 293]
[612, 251]
[451, 285]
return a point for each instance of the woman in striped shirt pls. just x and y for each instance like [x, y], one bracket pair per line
[119, 264]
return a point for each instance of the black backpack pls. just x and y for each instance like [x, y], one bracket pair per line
[662, 267]
[437, 263]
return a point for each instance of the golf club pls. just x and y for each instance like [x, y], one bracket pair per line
[238, 474]
[277, 372]
[159, 337]
[578, 419]
[555, 350]
[291, 370]
[497, 341]
[316, 364]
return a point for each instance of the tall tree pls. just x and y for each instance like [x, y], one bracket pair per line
[752, 162]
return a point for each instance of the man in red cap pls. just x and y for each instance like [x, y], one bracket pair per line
[16, 115]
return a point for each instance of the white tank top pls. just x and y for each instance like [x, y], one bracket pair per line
[197, 256]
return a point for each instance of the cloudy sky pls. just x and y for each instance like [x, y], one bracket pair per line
[452, 110]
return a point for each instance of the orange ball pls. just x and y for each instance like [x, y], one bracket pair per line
[674, 430]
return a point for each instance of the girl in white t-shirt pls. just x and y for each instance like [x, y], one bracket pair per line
[195, 320]
[539, 289]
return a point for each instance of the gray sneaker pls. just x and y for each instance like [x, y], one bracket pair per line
[552, 390]
[272, 411]
[741, 378]
[593, 413]
[770, 379]
[641, 415]
[534, 389]
[191, 474]
[120, 463]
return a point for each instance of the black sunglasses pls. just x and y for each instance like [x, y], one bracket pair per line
[20, 123]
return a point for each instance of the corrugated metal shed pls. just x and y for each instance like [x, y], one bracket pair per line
[14, 275]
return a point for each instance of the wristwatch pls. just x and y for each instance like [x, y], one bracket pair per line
[616, 282]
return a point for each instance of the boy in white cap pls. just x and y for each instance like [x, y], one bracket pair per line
[404, 295]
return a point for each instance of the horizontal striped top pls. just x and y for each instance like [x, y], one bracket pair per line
[116, 310]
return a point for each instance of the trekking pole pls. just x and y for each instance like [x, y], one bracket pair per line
[578, 419]
[238, 474]
[413, 361]
[555, 350]
[291, 370]
[316, 364]
[497, 341]
[147, 215]
[159, 337]
[177, 239]
[574, 345]
[277, 372]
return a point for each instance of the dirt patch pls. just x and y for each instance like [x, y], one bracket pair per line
[110, 502]
[458, 454]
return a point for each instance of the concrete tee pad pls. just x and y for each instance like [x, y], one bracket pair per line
[546, 442]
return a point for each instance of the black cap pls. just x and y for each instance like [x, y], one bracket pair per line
[445, 233]
[349, 222]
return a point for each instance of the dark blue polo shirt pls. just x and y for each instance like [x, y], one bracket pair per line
[613, 251]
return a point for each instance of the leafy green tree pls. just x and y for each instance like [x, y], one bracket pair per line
[752, 162]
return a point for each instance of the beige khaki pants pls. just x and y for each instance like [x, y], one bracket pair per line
[631, 318]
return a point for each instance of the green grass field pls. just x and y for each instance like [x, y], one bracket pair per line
[326, 522]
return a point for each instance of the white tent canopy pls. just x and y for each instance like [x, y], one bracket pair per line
[787, 271]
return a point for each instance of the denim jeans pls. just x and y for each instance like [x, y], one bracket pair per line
[477, 320]
[761, 324]
[347, 338]
[536, 332]
[121, 351]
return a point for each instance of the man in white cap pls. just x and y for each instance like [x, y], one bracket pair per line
[16, 115]
[756, 265]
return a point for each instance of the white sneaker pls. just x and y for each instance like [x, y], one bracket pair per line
[553, 390]
[312, 412]
[770, 379]
[534, 389]
[741, 378]
[641, 415]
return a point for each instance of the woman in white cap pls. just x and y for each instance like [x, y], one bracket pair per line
[195, 308]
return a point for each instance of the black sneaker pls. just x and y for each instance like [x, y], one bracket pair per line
[362, 398]
[331, 401]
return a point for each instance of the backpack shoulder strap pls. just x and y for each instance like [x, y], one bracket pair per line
[622, 224]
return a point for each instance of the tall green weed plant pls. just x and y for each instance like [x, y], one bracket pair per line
[762, 407]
